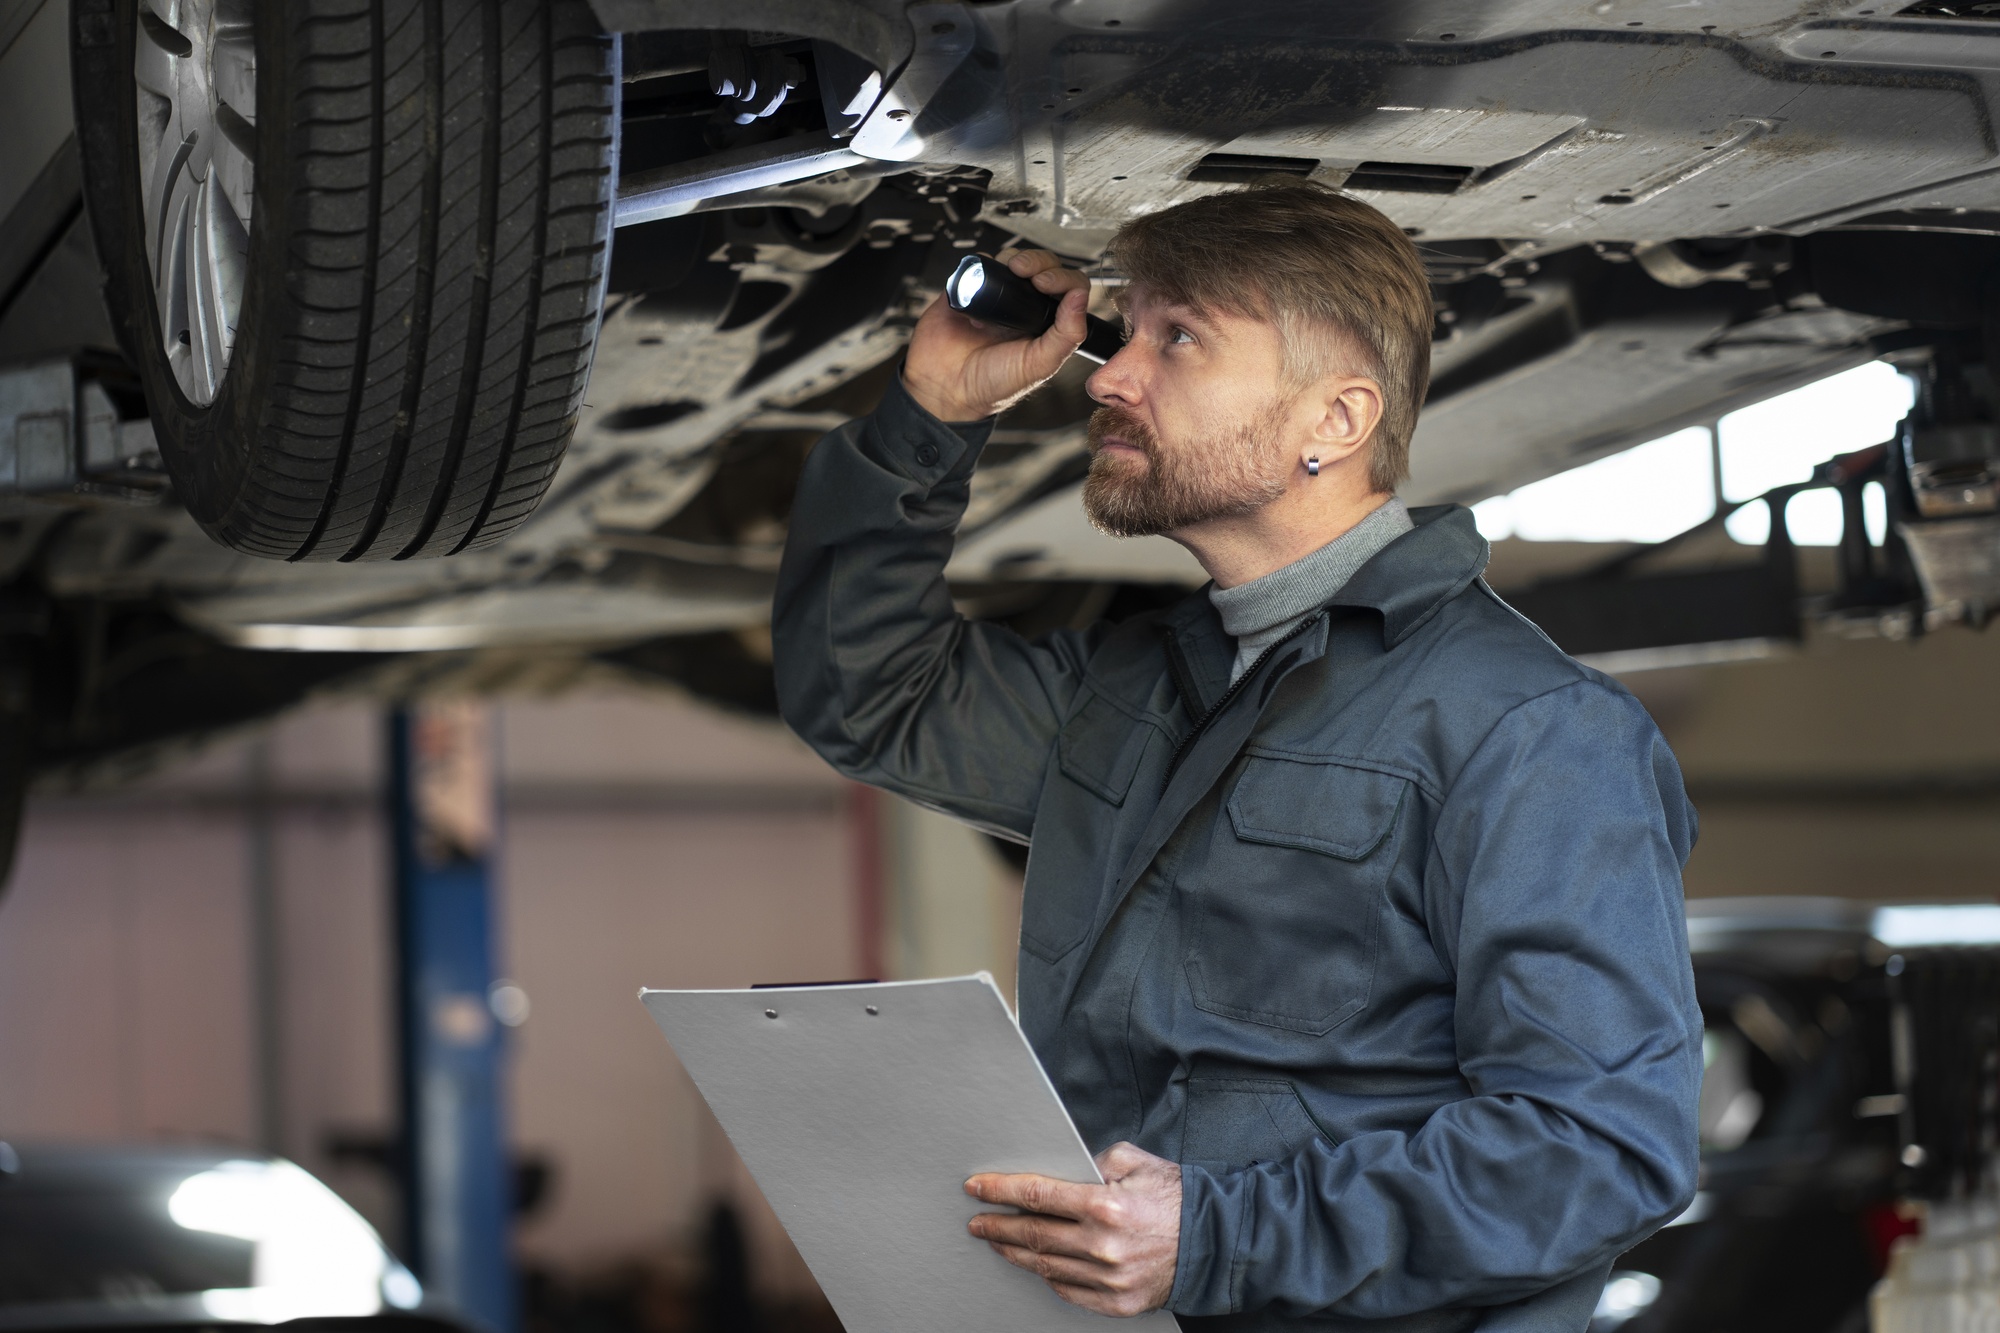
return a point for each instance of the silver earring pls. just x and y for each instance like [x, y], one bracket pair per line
[1312, 466]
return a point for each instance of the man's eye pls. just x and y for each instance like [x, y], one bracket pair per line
[1180, 335]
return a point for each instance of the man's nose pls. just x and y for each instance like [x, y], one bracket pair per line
[1114, 383]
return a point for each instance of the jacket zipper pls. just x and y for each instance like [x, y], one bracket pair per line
[1235, 687]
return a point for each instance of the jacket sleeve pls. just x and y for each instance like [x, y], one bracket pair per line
[1553, 891]
[875, 668]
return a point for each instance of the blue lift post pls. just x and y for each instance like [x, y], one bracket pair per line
[457, 1184]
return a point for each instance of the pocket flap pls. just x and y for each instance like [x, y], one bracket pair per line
[1318, 805]
[1233, 1123]
[1100, 747]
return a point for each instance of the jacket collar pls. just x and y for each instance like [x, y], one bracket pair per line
[1415, 575]
[1199, 652]
[1405, 582]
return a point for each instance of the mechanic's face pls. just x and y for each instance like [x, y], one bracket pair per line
[1194, 423]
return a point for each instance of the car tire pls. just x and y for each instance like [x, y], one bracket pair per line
[429, 190]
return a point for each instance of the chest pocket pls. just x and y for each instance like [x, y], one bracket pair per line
[1288, 910]
[1100, 746]
[1099, 750]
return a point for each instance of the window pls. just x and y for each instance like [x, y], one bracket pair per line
[1782, 439]
[1645, 494]
[1665, 486]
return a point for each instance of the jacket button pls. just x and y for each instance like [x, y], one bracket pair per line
[927, 454]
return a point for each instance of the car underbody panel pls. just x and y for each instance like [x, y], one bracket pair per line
[1637, 216]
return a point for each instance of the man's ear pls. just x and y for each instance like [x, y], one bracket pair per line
[1352, 408]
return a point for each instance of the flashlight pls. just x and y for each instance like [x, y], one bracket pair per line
[992, 293]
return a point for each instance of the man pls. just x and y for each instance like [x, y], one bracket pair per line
[1352, 934]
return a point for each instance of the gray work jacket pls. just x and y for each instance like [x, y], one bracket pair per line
[1384, 943]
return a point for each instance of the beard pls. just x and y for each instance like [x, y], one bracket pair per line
[1175, 487]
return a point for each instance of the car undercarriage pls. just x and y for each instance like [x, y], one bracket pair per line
[1635, 220]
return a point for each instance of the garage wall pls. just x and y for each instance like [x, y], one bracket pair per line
[1852, 767]
[646, 841]
[125, 984]
[129, 995]
[953, 905]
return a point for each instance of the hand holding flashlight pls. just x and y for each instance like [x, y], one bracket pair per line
[962, 367]
[988, 291]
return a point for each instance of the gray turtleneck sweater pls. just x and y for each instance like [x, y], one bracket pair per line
[1259, 613]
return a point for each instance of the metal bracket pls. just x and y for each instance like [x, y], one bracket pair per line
[60, 430]
[945, 36]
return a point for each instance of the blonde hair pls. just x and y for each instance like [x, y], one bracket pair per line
[1341, 281]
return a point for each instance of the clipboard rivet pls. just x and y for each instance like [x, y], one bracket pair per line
[770, 1013]
[872, 1010]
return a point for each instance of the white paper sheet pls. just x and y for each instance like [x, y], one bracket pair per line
[861, 1110]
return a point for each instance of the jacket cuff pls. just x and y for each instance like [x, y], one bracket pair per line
[920, 446]
[1207, 1276]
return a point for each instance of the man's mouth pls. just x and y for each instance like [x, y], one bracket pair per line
[1117, 434]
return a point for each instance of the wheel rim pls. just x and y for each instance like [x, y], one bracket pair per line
[196, 67]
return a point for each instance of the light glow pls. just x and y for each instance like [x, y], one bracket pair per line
[1813, 518]
[965, 284]
[1655, 490]
[1645, 494]
[1625, 1295]
[1729, 1108]
[1781, 440]
[1931, 926]
[1696, 1211]
[314, 1255]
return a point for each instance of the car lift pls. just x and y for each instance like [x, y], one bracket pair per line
[457, 1196]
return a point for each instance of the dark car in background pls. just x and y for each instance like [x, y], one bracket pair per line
[1849, 1088]
[103, 1237]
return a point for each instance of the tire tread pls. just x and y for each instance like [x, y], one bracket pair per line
[447, 211]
